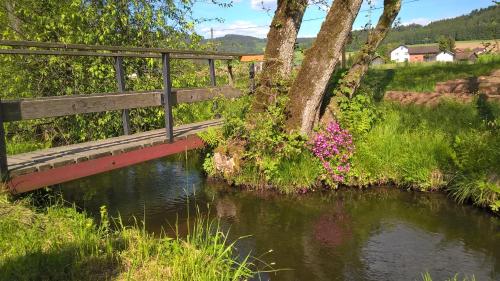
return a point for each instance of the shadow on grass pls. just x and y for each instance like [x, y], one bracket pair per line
[378, 81]
[485, 108]
[61, 264]
[423, 77]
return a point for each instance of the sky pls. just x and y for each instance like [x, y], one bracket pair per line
[252, 17]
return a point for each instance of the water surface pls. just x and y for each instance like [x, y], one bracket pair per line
[375, 234]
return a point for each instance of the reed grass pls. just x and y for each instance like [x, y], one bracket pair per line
[60, 243]
[427, 277]
[451, 146]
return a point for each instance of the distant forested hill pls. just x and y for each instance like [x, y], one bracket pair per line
[480, 24]
[240, 44]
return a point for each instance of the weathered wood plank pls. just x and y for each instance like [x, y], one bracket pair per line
[56, 175]
[25, 109]
[107, 54]
[4, 168]
[120, 79]
[41, 160]
[16, 43]
[167, 96]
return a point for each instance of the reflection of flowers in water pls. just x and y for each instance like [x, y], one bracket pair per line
[333, 228]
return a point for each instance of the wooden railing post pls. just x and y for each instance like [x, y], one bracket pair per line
[120, 79]
[252, 77]
[167, 95]
[211, 65]
[230, 73]
[213, 83]
[4, 168]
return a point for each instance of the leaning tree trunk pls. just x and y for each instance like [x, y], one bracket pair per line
[320, 60]
[375, 37]
[351, 81]
[279, 50]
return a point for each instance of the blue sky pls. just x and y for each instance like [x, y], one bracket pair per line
[248, 17]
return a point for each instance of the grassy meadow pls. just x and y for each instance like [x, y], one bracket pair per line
[468, 44]
[422, 77]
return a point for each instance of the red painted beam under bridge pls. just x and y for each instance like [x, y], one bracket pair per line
[36, 180]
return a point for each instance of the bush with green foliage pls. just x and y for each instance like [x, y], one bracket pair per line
[358, 114]
[266, 155]
[122, 23]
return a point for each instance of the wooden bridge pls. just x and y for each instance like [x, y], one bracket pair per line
[29, 171]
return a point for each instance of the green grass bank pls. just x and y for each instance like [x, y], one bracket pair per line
[452, 147]
[60, 243]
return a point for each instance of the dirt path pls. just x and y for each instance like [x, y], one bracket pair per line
[461, 90]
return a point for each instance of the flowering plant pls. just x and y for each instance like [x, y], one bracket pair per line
[334, 148]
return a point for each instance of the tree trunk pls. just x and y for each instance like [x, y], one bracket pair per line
[14, 22]
[320, 60]
[279, 50]
[351, 81]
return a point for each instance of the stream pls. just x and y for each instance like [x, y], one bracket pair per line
[381, 233]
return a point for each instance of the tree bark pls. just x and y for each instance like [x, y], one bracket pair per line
[278, 57]
[351, 81]
[14, 22]
[320, 60]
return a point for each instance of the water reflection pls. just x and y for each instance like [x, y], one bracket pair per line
[378, 234]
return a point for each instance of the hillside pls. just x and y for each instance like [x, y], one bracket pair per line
[240, 44]
[480, 24]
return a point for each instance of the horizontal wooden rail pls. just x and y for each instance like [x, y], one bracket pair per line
[148, 51]
[102, 54]
[26, 109]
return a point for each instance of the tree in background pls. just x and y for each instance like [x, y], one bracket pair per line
[446, 44]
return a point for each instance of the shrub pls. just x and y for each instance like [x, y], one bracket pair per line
[358, 114]
[477, 160]
[333, 146]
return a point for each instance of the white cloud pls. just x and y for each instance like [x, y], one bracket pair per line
[421, 21]
[240, 27]
[263, 4]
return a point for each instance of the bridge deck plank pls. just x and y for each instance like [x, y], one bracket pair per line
[41, 160]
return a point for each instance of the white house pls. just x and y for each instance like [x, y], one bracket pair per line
[400, 54]
[445, 57]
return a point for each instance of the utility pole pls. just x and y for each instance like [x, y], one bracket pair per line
[211, 33]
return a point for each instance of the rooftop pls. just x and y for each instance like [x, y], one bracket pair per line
[422, 50]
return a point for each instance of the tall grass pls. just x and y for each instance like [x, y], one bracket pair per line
[404, 154]
[289, 176]
[59, 243]
[452, 146]
[427, 277]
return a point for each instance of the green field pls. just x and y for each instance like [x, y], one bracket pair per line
[422, 77]
[471, 44]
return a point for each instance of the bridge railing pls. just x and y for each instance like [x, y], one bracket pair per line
[33, 108]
